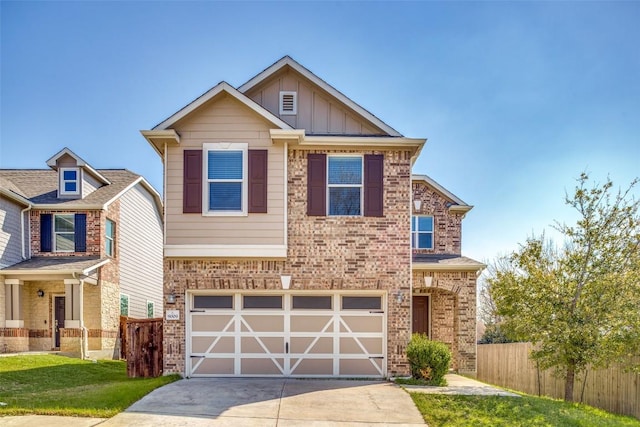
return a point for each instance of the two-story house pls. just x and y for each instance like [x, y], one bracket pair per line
[78, 248]
[288, 227]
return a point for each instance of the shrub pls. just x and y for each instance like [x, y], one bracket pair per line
[428, 360]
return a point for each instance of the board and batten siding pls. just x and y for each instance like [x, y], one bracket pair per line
[224, 120]
[317, 111]
[10, 247]
[139, 251]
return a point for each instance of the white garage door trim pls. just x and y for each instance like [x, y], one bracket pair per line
[286, 342]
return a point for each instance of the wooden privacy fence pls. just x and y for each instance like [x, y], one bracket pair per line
[508, 365]
[144, 347]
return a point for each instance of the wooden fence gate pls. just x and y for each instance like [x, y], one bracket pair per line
[144, 347]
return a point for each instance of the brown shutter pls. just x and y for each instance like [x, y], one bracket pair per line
[317, 184]
[373, 185]
[258, 181]
[192, 186]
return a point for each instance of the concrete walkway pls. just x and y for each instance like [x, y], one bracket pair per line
[457, 384]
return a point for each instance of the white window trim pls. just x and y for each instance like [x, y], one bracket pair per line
[63, 181]
[153, 305]
[361, 185]
[54, 246]
[292, 112]
[417, 231]
[225, 146]
[112, 239]
[128, 304]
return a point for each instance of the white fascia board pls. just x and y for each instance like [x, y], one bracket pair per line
[342, 141]
[287, 60]
[159, 138]
[53, 272]
[15, 197]
[430, 181]
[221, 87]
[225, 251]
[68, 207]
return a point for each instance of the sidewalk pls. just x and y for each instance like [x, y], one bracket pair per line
[457, 384]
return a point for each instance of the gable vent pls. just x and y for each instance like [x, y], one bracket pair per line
[288, 103]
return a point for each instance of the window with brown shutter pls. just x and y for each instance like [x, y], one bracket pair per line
[258, 181]
[317, 184]
[373, 185]
[192, 182]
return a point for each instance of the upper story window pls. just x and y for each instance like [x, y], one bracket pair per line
[422, 232]
[110, 237]
[64, 233]
[225, 192]
[69, 181]
[344, 185]
[288, 103]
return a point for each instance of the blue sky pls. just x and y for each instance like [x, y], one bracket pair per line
[516, 98]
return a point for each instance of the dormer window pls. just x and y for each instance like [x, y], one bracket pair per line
[288, 103]
[69, 181]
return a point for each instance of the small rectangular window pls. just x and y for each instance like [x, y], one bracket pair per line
[262, 301]
[64, 233]
[311, 302]
[150, 309]
[69, 181]
[124, 305]
[110, 235]
[213, 301]
[361, 303]
[344, 185]
[422, 232]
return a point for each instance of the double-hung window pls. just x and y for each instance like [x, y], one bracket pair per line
[64, 233]
[225, 172]
[422, 232]
[110, 236]
[69, 181]
[344, 185]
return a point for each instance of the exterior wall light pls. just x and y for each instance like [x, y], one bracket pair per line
[428, 281]
[171, 298]
[40, 293]
[417, 204]
[286, 281]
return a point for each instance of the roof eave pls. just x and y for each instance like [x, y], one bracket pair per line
[426, 266]
[16, 197]
[158, 139]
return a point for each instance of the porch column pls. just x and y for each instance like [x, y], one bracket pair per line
[72, 303]
[13, 303]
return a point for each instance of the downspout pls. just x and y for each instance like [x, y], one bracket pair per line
[22, 236]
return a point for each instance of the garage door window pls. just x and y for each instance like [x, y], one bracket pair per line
[361, 303]
[213, 301]
[311, 302]
[262, 301]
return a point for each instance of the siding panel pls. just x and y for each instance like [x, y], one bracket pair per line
[10, 247]
[139, 251]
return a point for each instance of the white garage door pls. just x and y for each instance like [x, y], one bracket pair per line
[300, 335]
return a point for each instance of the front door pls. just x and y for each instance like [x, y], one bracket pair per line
[58, 319]
[421, 315]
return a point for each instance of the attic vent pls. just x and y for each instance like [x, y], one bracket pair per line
[288, 103]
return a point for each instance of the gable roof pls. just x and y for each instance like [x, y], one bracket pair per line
[459, 204]
[53, 163]
[290, 62]
[39, 187]
[210, 94]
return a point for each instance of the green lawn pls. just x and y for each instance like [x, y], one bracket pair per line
[58, 385]
[495, 411]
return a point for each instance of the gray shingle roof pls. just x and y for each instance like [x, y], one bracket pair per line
[53, 264]
[40, 186]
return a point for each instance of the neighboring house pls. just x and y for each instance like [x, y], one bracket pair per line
[287, 252]
[78, 248]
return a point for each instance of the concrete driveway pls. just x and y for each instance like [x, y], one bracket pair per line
[271, 402]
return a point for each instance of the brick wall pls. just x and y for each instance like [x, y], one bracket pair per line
[94, 233]
[447, 226]
[323, 253]
[453, 313]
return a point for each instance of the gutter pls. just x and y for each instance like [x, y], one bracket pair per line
[22, 236]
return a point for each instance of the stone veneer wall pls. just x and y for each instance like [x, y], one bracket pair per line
[359, 253]
[453, 313]
[447, 226]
